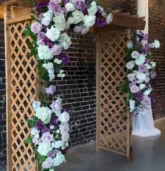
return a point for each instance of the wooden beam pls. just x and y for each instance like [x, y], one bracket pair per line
[1, 12]
[18, 19]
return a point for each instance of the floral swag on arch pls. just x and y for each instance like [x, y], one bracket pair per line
[49, 126]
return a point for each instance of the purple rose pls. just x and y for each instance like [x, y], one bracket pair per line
[40, 38]
[153, 75]
[36, 27]
[56, 106]
[47, 137]
[55, 7]
[131, 77]
[64, 58]
[142, 68]
[51, 89]
[145, 103]
[44, 130]
[39, 125]
[139, 96]
[52, 153]
[80, 5]
[134, 89]
[47, 163]
[53, 121]
[56, 50]
[100, 22]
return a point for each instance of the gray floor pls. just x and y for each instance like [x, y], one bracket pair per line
[148, 153]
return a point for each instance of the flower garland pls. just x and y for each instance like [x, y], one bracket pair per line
[140, 70]
[49, 126]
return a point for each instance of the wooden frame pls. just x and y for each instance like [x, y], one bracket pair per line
[2, 12]
[15, 15]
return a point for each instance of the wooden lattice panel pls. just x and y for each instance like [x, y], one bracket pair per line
[22, 83]
[113, 116]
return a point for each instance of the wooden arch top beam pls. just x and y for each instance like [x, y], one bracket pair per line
[1, 12]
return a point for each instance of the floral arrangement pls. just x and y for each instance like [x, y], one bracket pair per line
[49, 40]
[140, 70]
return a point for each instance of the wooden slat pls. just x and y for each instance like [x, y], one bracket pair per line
[11, 2]
[1, 12]
[18, 19]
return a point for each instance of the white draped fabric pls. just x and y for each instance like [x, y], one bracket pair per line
[143, 123]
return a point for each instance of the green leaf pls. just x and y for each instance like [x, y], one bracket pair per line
[28, 140]
[27, 32]
[42, 159]
[32, 122]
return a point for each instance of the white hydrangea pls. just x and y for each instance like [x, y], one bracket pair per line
[64, 117]
[44, 114]
[44, 52]
[36, 104]
[34, 131]
[65, 41]
[53, 33]
[48, 66]
[57, 61]
[155, 44]
[132, 105]
[44, 148]
[89, 20]
[59, 159]
[61, 74]
[92, 9]
[78, 16]
[129, 44]
[148, 66]
[153, 64]
[60, 22]
[57, 144]
[47, 17]
[147, 92]
[141, 77]
[140, 60]
[51, 74]
[69, 7]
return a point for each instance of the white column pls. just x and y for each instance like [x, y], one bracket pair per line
[143, 123]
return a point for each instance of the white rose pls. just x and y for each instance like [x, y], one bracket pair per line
[64, 117]
[58, 160]
[93, 9]
[141, 77]
[57, 61]
[65, 41]
[65, 136]
[44, 148]
[89, 20]
[147, 92]
[147, 79]
[78, 16]
[60, 22]
[44, 53]
[57, 144]
[156, 44]
[69, 7]
[142, 86]
[109, 18]
[44, 114]
[153, 64]
[64, 127]
[85, 30]
[148, 66]
[36, 104]
[140, 60]
[48, 66]
[47, 17]
[135, 54]
[34, 131]
[53, 34]
[51, 74]
[130, 65]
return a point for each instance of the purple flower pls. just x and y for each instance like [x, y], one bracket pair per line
[44, 130]
[40, 5]
[145, 37]
[51, 89]
[153, 74]
[56, 50]
[152, 98]
[39, 125]
[139, 96]
[64, 58]
[53, 121]
[145, 103]
[142, 68]
[80, 5]
[55, 7]
[56, 106]
[100, 22]
[47, 163]
[134, 88]
[36, 27]
[65, 1]
[47, 137]
[52, 153]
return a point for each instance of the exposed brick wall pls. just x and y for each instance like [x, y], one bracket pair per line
[2, 97]
[157, 31]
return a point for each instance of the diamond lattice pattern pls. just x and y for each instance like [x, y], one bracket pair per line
[112, 108]
[23, 89]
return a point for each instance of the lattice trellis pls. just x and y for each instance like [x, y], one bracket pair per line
[22, 82]
[113, 117]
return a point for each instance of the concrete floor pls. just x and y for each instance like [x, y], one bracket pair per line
[148, 153]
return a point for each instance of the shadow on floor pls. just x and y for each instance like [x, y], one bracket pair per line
[148, 155]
